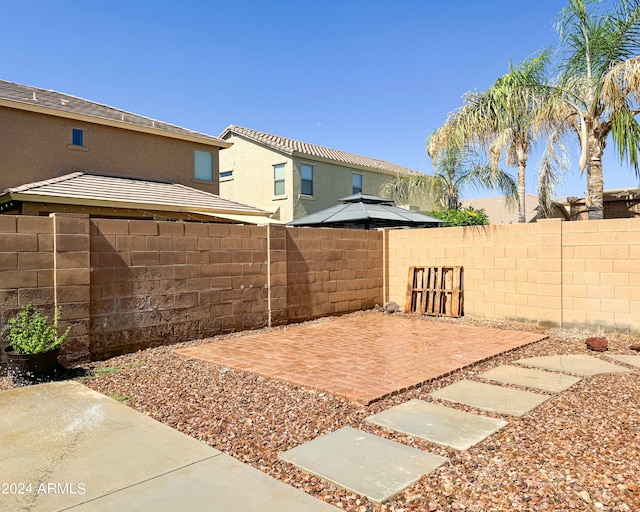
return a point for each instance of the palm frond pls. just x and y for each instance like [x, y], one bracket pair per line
[553, 164]
[625, 132]
[621, 84]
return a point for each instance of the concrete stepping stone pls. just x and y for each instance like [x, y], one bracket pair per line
[630, 359]
[491, 398]
[363, 463]
[577, 364]
[437, 423]
[529, 378]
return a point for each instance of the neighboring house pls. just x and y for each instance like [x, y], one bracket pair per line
[119, 197]
[500, 212]
[294, 179]
[622, 203]
[46, 134]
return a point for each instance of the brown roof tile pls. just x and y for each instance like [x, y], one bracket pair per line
[291, 147]
[116, 189]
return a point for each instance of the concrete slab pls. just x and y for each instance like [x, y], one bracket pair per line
[363, 463]
[529, 378]
[65, 445]
[577, 364]
[437, 423]
[631, 360]
[220, 484]
[491, 398]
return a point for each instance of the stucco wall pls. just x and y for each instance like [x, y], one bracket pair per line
[330, 183]
[34, 147]
[252, 182]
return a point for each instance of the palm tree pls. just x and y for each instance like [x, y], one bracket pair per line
[598, 91]
[454, 171]
[505, 119]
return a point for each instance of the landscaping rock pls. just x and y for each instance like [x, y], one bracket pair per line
[635, 347]
[597, 344]
[391, 307]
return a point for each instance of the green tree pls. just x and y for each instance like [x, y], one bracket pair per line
[454, 171]
[598, 91]
[461, 217]
[506, 119]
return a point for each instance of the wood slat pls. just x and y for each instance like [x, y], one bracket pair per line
[435, 291]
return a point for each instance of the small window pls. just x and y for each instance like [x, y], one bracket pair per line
[306, 175]
[203, 165]
[278, 180]
[226, 175]
[356, 183]
[77, 137]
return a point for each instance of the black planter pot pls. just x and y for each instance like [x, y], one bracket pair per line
[31, 367]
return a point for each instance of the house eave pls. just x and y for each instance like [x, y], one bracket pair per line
[18, 105]
[305, 156]
[82, 201]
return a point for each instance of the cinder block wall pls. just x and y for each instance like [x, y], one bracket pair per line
[126, 284]
[164, 282]
[44, 261]
[26, 264]
[330, 271]
[601, 274]
[551, 273]
[123, 285]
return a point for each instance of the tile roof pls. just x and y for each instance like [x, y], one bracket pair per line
[35, 96]
[291, 147]
[111, 190]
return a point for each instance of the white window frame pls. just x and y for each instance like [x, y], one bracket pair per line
[277, 181]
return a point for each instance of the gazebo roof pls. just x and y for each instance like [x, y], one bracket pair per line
[366, 211]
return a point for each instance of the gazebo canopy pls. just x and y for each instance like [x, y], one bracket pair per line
[364, 211]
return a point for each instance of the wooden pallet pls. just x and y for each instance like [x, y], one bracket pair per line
[435, 291]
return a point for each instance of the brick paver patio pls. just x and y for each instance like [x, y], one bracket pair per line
[362, 358]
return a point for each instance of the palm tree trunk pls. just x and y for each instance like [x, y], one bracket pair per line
[595, 180]
[522, 167]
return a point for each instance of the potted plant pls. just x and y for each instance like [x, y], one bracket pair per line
[33, 344]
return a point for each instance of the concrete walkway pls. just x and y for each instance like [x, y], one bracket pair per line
[66, 447]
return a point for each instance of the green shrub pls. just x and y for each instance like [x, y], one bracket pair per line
[29, 332]
[461, 217]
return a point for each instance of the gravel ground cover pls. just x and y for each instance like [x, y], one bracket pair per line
[578, 451]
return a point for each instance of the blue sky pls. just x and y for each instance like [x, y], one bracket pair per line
[369, 77]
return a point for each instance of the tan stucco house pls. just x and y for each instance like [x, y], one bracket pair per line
[294, 179]
[621, 203]
[60, 153]
[501, 212]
